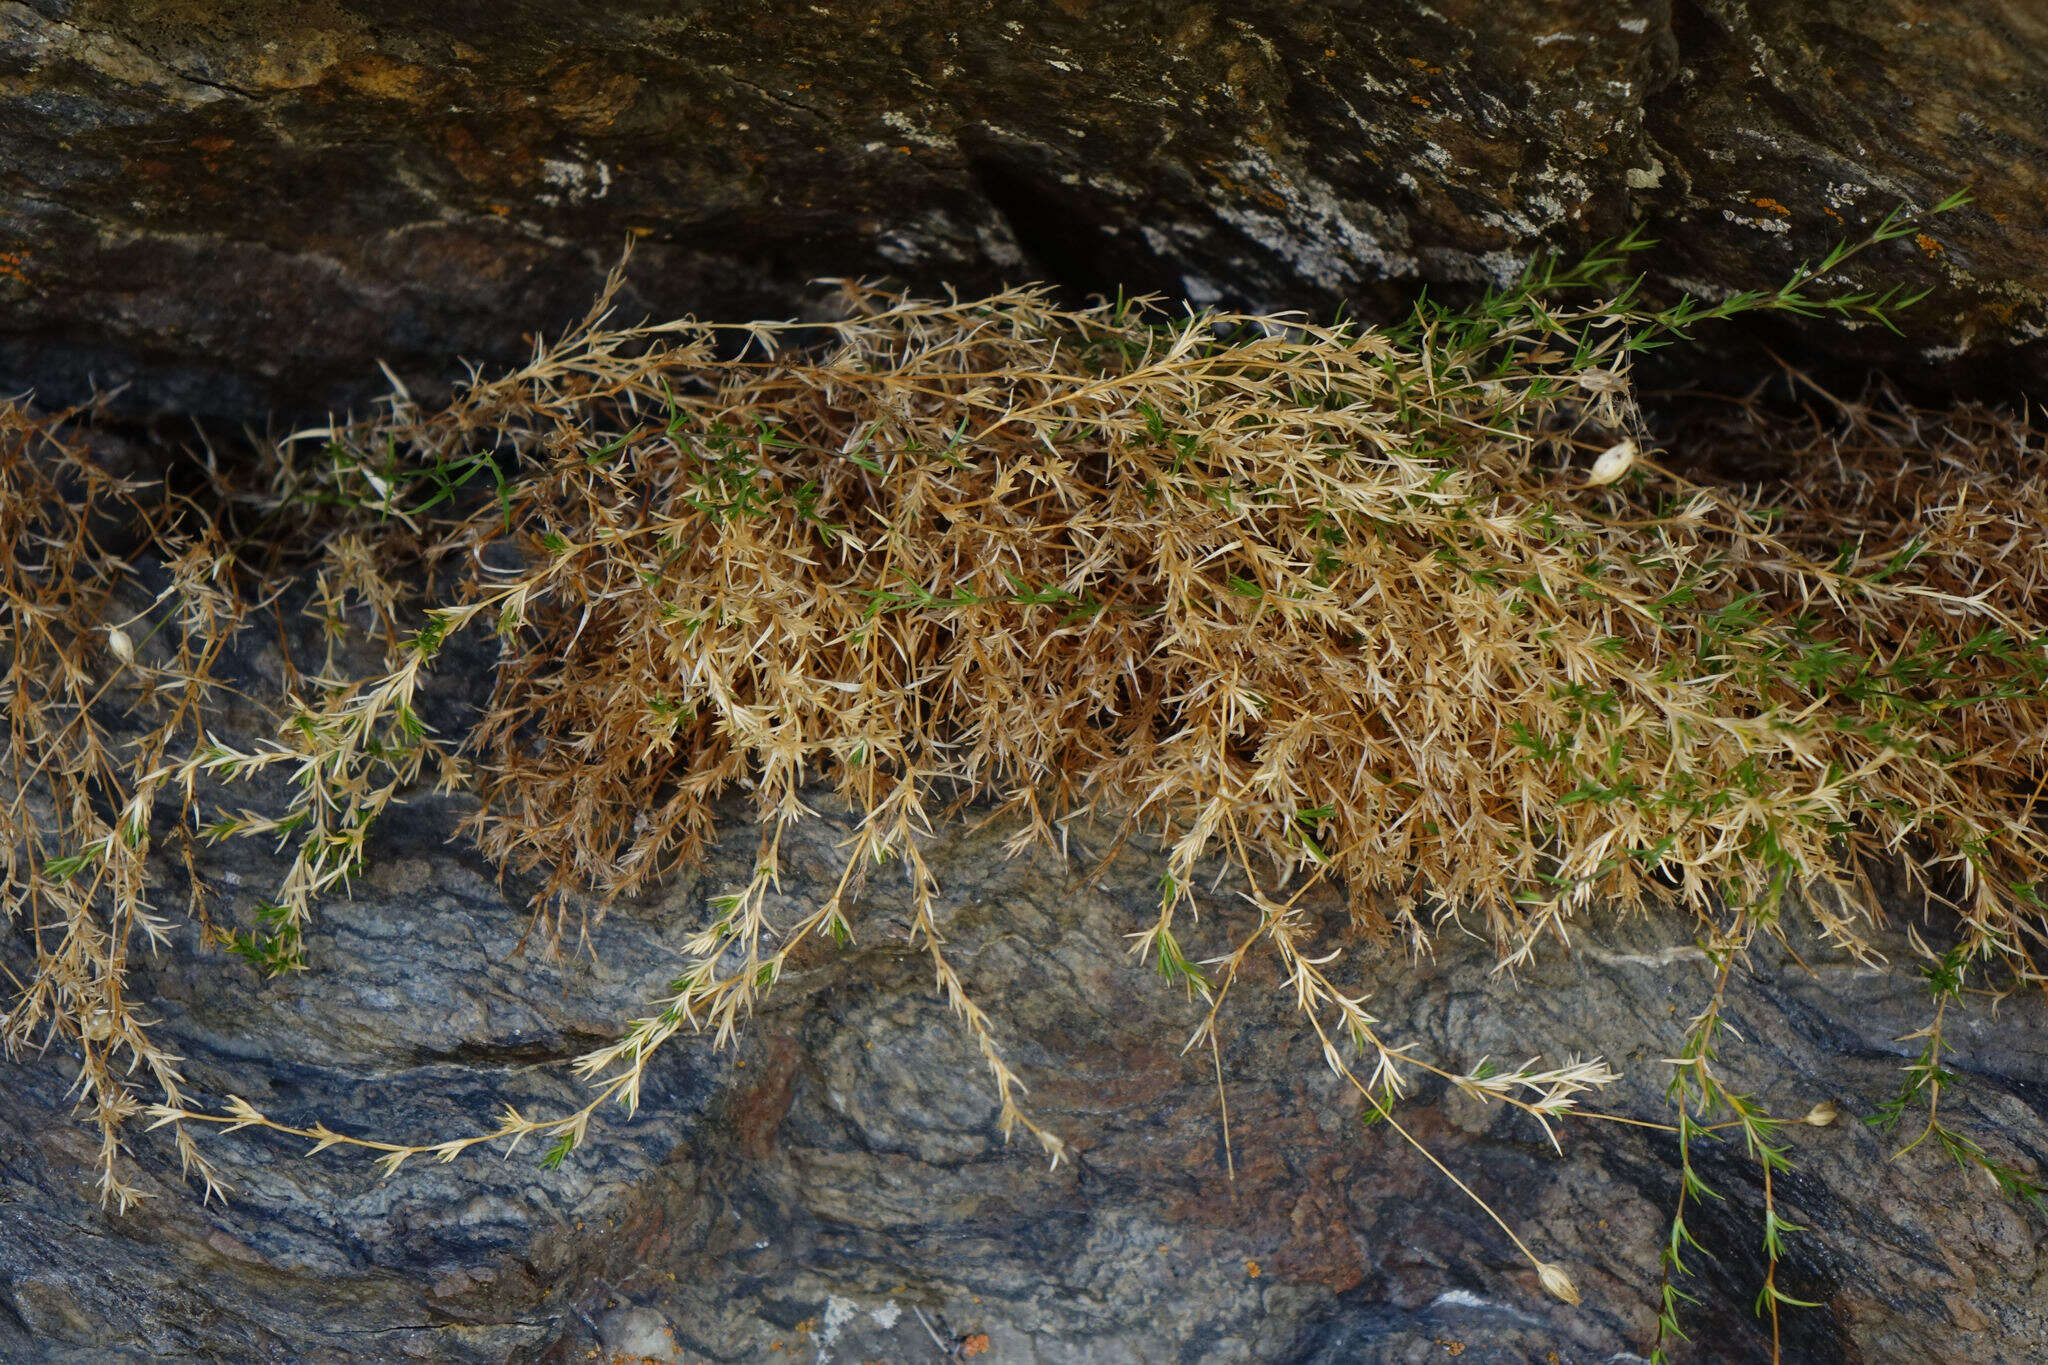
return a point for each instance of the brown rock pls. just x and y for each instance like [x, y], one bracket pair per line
[235, 209]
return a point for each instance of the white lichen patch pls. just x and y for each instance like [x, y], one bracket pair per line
[1502, 268]
[573, 182]
[1111, 185]
[838, 1312]
[910, 130]
[1761, 224]
[999, 245]
[1302, 220]
[936, 235]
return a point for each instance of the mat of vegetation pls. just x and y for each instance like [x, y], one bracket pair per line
[1421, 614]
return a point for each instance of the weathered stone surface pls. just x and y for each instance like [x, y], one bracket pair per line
[837, 1191]
[874, 1186]
[239, 207]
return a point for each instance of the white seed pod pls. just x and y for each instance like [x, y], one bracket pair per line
[1823, 1114]
[1614, 462]
[1601, 381]
[1557, 1282]
[123, 647]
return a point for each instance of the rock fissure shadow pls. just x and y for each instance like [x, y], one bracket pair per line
[1062, 236]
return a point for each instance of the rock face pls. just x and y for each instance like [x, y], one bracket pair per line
[236, 208]
[836, 1189]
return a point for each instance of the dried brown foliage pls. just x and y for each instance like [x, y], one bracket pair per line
[78, 805]
[1331, 603]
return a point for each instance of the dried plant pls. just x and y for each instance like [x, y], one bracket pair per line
[1416, 610]
[77, 810]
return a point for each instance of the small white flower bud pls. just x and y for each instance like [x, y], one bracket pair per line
[1614, 462]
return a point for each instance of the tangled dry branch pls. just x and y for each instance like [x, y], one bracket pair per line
[1416, 610]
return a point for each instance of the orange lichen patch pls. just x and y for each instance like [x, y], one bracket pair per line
[1772, 206]
[471, 159]
[759, 1109]
[385, 79]
[1253, 1270]
[1928, 244]
[10, 266]
[974, 1344]
[1419, 99]
[589, 98]
[210, 149]
[1424, 67]
[508, 155]
[1240, 189]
